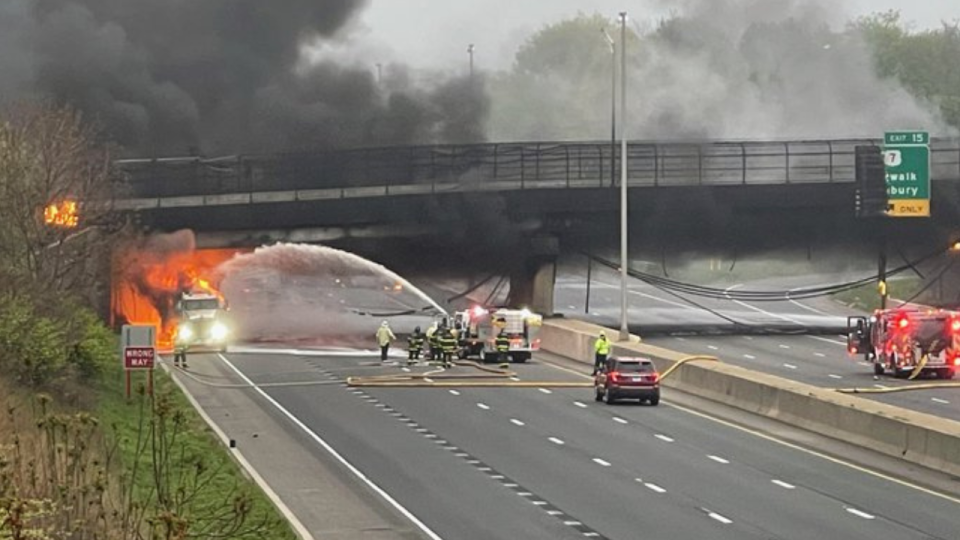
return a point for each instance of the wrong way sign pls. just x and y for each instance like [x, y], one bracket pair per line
[139, 357]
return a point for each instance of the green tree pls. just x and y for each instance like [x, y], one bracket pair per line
[926, 63]
[559, 84]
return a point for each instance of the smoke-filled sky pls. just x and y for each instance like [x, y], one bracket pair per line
[171, 76]
[225, 76]
[437, 33]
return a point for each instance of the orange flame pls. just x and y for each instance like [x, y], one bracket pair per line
[146, 287]
[64, 214]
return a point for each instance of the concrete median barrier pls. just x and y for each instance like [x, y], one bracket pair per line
[916, 437]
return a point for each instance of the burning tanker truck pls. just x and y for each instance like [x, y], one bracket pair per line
[202, 325]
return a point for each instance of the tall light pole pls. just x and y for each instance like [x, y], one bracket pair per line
[470, 52]
[613, 107]
[624, 328]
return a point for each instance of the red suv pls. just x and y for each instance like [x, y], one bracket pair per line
[628, 378]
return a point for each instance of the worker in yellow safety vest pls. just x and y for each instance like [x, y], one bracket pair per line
[601, 348]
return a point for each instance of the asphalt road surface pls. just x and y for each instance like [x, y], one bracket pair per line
[820, 360]
[540, 463]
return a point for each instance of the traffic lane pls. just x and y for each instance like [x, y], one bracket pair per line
[650, 306]
[324, 499]
[697, 478]
[697, 465]
[808, 359]
[548, 471]
[453, 498]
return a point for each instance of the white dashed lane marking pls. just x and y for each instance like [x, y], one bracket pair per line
[663, 438]
[580, 404]
[833, 376]
[790, 366]
[718, 459]
[556, 441]
[599, 461]
[713, 347]
[783, 484]
[545, 390]
[938, 400]
[819, 355]
[619, 420]
[860, 513]
[750, 357]
[654, 487]
[483, 406]
[516, 422]
[782, 346]
[455, 392]
[718, 517]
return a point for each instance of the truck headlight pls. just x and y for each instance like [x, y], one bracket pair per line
[218, 331]
[184, 333]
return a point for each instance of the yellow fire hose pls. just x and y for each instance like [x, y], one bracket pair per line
[890, 390]
[913, 375]
[494, 378]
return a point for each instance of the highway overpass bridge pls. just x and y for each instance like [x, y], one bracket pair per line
[488, 200]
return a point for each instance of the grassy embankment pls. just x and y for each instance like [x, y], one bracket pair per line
[866, 297]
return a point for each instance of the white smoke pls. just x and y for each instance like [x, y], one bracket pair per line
[302, 293]
[723, 69]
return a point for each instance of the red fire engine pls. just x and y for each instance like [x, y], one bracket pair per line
[907, 341]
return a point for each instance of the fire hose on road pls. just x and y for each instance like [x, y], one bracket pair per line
[500, 377]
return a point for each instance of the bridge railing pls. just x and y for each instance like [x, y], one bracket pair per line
[517, 166]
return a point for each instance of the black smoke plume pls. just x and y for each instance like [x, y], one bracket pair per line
[215, 76]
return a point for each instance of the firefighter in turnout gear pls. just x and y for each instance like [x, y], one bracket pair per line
[433, 341]
[414, 346]
[448, 346]
[384, 337]
[503, 347]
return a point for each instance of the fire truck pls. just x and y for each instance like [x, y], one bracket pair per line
[907, 341]
[521, 327]
[467, 324]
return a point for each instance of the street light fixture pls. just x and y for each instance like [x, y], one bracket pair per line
[470, 52]
[624, 328]
[613, 106]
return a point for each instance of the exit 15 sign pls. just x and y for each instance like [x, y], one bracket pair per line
[906, 158]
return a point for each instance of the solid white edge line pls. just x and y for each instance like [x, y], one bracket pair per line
[288, 514]
[336, 455]
[790, 445]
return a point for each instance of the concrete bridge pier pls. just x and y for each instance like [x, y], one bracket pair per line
[532, 281]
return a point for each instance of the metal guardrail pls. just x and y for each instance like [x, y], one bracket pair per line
[517, 166]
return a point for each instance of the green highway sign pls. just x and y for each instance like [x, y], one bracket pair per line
[906, 158]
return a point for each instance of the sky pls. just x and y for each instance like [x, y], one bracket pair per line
[435, 33]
